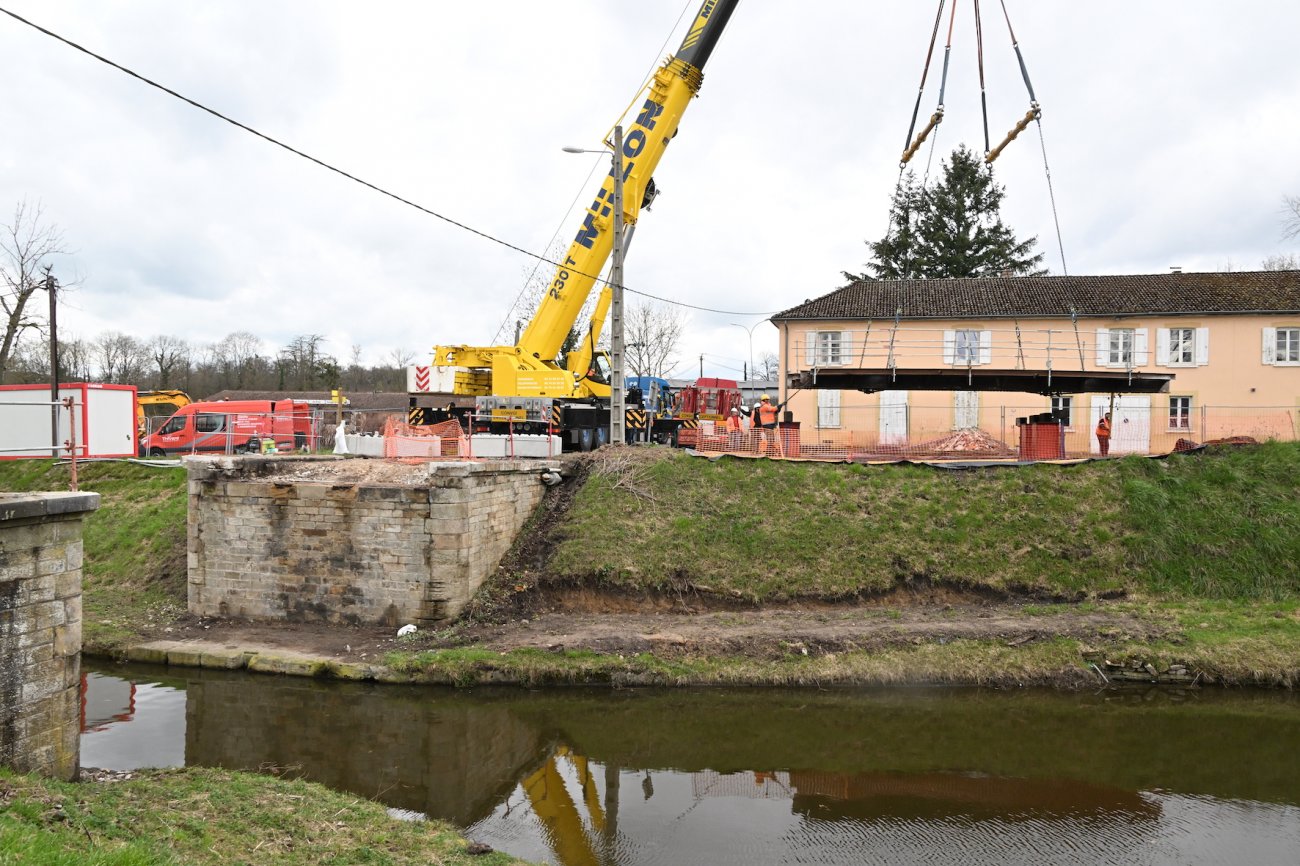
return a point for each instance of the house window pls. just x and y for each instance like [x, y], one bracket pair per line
[1182, 346]
[1288, 346]
[1120, 351]
[1180, 413]
[828, 348]
[1063, 409]
[828, 408]
[968, 347]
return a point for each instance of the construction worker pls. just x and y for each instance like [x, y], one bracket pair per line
[766, 417]
[1103, 435]
[734, 429]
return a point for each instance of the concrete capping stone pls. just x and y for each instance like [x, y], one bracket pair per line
[34, 506]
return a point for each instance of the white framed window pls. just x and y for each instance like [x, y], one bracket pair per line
[1119, 349]
[1063, 408]
[967, 347]
[1182, 347]
[1122, 347]
[826, 348]
[1180, 413]
[828, 408]
[1282, 346]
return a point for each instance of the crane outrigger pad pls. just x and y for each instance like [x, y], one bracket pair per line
[1045, 382]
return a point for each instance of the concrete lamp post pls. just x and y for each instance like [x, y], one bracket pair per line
[617, 391]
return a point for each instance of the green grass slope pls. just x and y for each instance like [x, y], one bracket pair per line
[1223, 524]
[133, 545]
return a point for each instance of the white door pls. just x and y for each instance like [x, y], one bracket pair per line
[1130, 427]
[893, 417]
[828, 408]
[966, 410]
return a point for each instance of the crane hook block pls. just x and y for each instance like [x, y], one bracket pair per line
[1021, 125]
[935, 120]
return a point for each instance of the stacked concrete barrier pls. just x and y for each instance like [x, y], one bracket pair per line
[40, 630]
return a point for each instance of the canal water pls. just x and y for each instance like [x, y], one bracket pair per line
[755, 776]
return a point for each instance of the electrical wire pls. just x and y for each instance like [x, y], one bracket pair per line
[373, 187]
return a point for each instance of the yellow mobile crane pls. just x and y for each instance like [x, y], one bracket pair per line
[524, 382]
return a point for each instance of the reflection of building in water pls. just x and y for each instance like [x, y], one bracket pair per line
[104, 701]
[749, 784]
[866, 795]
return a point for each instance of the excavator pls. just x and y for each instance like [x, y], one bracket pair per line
[524, 384]
[157, 404]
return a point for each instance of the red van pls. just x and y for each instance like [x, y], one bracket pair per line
[230, 426]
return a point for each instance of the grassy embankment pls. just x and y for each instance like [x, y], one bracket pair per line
[1206, 545]
[198, 816]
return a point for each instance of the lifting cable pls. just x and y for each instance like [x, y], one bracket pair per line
[1034, 114]
[937, 117]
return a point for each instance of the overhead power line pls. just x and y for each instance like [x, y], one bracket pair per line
[327, 166]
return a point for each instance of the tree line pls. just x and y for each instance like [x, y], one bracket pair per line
[239, 361]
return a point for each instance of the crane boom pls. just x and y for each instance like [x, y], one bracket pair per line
[528, 368]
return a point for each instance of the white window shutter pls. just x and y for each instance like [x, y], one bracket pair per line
[1202, 346]
[1270, 345]
[810, 349]
[1140, 348]
[949, 346]
[1103, 347]
[1162, 347]
[846, 347]
[986, 347]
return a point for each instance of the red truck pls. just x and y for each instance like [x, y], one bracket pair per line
[230, 426]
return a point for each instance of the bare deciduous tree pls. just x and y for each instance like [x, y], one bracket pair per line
[26, 246]
[651, 333]
[1281, 262]
[238, 356]
[400, 358]
[169, 356]
[120, 357]
[303, 363]
[1291, 217]
[768, 366]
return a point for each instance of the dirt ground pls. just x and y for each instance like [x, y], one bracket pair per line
[609, 625]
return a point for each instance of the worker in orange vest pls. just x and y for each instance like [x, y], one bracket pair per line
[767, 421]
[734, 429]
[1103, 435]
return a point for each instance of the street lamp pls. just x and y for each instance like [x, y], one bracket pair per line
[617, 406]
[750, 331]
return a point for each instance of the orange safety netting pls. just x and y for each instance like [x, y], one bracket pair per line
[433, 442]
[1149, 433]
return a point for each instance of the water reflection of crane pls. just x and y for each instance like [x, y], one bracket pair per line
[574, 842]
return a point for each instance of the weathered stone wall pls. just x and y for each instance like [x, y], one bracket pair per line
[40, 630]
[269, 542]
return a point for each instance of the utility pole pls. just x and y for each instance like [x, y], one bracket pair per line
[50, 284]
[617, 395]
[701, 365]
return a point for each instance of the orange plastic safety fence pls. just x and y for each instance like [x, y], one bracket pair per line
[404, 441]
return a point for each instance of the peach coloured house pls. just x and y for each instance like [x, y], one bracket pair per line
[1179, 356]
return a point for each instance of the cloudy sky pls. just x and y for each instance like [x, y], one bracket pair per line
[1172, 130]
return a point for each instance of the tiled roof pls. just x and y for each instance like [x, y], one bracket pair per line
[1107, 296]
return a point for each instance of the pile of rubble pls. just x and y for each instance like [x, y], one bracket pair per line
[973, 442]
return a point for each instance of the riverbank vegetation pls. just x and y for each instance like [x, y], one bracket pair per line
[199, 816]
[1223, 524]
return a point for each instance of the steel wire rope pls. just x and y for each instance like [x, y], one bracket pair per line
[373, 187]
[1042, 140]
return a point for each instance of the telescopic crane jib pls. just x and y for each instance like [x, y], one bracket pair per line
[529, 369]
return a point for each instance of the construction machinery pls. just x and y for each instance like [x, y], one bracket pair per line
[524, 386]
[157, 404]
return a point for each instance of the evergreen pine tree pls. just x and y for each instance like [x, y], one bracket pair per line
[952, 229]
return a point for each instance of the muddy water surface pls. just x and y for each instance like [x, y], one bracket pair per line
[754, 776]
